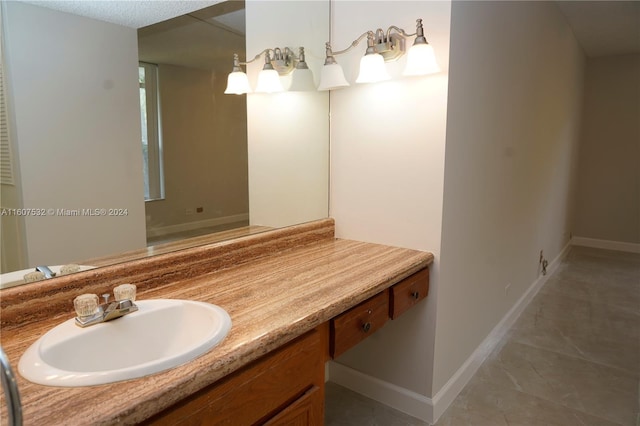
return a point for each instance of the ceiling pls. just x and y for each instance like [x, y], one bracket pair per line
[601, 27]
[205, 39]
[604, 28]
[130, 13]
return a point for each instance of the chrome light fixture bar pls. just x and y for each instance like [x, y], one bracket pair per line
[381, 47]
[277, 62]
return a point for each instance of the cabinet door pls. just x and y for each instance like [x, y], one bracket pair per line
[258, 391]
[306, 411]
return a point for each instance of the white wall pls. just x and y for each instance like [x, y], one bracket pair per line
[77, 123]
[504, 190]
[515, 87]
[288, 132]
[387, 168]
[609, 174]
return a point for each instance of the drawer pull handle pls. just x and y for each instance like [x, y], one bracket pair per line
[366, 327]
[415, 295]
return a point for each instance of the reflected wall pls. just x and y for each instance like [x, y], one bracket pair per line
[77, 132]
[288, 132]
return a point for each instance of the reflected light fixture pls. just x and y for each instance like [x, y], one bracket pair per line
[381, 47]
[277, 62]
[302, 79]
[268, 78]
[331, 74]
[237, 81]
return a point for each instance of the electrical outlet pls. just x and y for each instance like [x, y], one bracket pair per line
[188, 212]
[199, 209]
[506, 289]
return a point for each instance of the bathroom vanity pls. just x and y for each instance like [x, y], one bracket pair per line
[296, 296]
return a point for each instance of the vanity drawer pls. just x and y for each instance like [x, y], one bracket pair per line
[408, 292]
[358, 323]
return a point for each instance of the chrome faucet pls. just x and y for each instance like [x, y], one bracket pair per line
[10, 387]
[48, 273]
[106, 312]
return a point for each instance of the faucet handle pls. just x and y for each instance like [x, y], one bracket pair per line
[86, 305]
[125, 291]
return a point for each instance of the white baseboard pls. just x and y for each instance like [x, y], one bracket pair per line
[401, 399]
[606, 244]
[430, 409]
[190, 226]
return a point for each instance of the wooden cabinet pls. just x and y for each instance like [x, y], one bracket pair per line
[285, 387]
[408, 292]
[359, 322]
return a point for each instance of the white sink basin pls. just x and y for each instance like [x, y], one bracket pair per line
[162, 334]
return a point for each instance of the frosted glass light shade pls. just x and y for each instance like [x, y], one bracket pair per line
[372, 69]
[237, 84]
[421, 60]
[332, 77]
[302, 81]
[269, 82]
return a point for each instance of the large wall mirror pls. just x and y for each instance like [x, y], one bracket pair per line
[230, 165]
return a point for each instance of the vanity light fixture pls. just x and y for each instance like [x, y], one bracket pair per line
[381, 47]
[372, 68]
[421, 59]
[277, 62]
[302, 79]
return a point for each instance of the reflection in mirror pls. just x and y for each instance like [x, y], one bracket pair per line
[201, 132]
[75, 137]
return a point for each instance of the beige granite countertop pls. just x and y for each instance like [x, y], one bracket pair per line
[271, 300]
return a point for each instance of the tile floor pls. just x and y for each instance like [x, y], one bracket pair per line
[572, 358]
